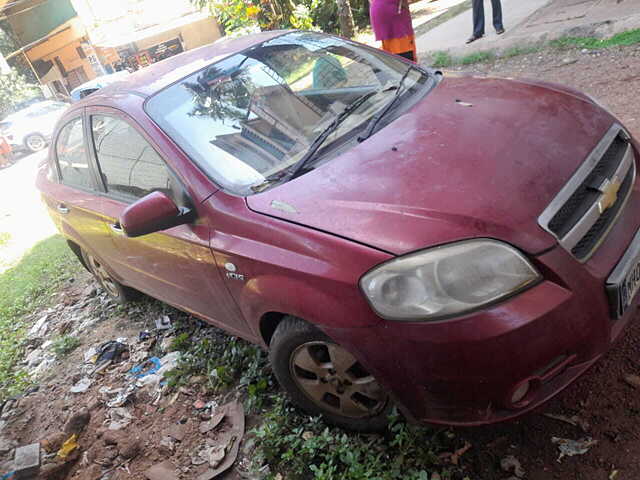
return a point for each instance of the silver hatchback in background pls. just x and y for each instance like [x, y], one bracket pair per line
[31, 128]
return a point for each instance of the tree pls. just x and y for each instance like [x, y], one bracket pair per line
[14, 90]
[347, 25]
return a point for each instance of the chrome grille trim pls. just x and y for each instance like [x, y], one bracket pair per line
[626, 167]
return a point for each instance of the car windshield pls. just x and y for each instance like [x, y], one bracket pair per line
[252, 116]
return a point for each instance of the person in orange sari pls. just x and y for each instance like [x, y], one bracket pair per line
[391, 22]
[5, 152]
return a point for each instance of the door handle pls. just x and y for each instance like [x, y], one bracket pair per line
[62, 208]
[116, 227]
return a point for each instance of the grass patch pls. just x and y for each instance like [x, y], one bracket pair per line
[517, 51]
[23, 289]
[64, 345]
[300, 447]
[630, 37]
[442, 59]
[477, 57]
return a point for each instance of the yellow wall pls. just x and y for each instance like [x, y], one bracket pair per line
[194, 35]
[64, 45]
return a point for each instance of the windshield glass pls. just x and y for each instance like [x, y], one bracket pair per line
[253, 115]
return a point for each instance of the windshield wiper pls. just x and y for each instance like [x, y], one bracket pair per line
[373, 123]
[320, 139]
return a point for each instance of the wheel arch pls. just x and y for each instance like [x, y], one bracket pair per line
[77, 250]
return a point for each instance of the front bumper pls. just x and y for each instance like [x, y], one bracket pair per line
[464, 371]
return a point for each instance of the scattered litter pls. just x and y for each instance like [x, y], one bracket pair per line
[613, 474]
[176, 431]
[216, 455]
[574, 420]
[68, 446]
[632, 380]
[119, 418]
[169, 362]
[149, 367]
[201, 456]
[110, 351]
[39, 329]
[511, 464]
[199, 405]
[91, 355]
[454, 457]
[144, 335]
[213, 423]
[82, 386]
[229, 440]
[27, 461]
[122, 397]
[8, 476]
[569, 448]
[167, 445]
[163, 323]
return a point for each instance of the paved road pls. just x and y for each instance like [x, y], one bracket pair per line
[22, 214]
[452, 34]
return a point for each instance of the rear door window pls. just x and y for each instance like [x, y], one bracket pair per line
[129, 166]
[71, 152]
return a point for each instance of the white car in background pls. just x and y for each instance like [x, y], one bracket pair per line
[31, 128]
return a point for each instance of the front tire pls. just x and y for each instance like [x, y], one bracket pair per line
[325, 379]
[35, 142]
[117, 291]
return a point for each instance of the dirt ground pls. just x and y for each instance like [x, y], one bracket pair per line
[607, 407]
[601, 397]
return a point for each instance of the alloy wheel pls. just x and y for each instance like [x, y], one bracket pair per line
[335, 381]
[35, 143]
[103, 277]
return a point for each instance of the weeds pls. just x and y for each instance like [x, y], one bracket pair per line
[65, 345]
[302, 447]
[23, 289]
[630, 37]
[5, 237]
[224, 361]
[519, 50]
[442, 59]
[477, 57]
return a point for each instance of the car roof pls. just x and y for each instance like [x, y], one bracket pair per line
[152, 79]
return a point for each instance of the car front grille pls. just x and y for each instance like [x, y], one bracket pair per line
[584, 211]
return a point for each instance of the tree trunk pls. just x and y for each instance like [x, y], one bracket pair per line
[347, 26]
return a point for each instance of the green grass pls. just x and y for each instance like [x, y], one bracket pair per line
[519, 50]
[5, 237]
[23, 289]
[442, 59]
[477, 57]
[65, 345]
[630, 37]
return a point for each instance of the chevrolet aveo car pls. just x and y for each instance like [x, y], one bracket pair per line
[461, 247]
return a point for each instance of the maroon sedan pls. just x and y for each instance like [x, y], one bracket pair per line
[461, 247]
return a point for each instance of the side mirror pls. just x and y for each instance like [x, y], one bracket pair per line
[153, 213]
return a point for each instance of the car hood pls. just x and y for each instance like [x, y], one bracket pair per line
[477, 157]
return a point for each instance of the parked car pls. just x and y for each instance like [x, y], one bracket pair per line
[462, 247]
[30, 129]
[96, 84]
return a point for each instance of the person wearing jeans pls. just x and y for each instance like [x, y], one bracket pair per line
[478, 19]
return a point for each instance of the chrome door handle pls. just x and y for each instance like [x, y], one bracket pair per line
[116, 227]
[62, 208]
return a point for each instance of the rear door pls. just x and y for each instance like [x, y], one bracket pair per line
[72, 193]
[174, 265]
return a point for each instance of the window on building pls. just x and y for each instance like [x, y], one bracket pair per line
[129, 166]
[81, 53]
[72, 156]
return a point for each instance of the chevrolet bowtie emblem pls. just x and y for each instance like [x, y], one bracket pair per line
[609, 190]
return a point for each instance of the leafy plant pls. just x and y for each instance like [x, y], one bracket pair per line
[442, 59]
[301, 447]
[65, 345]
[629, 37]
[478, 57]
[14, 89]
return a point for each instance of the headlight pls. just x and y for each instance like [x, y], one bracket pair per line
[448, 280]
